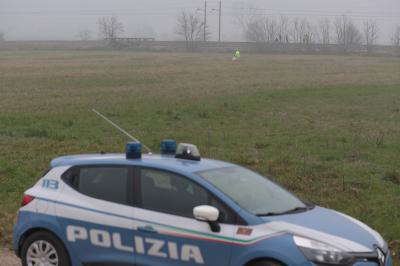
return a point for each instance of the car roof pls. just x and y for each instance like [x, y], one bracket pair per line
[154, 160]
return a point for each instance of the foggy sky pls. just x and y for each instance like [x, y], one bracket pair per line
[63, 19]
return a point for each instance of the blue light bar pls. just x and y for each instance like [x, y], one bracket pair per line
[168, 147]
[133, 150]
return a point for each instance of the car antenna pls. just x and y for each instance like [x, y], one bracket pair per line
[120, 129]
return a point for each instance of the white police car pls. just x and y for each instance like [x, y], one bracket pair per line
[178, 209]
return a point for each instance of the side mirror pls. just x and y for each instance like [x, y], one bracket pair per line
[208, 214]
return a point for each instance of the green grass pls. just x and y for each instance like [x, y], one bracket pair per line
[325, 127]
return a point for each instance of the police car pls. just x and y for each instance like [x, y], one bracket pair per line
[179, 209]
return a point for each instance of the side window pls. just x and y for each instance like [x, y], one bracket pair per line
[226, 215]
[170, 193]
[108, 183]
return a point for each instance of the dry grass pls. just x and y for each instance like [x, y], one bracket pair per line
[53, 75]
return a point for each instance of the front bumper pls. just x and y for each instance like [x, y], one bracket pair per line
[374, 260]
[368, 260]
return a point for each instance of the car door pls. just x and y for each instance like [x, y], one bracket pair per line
[95, 214]
[167, 233]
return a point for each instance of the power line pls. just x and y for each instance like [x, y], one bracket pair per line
[235, 11]
[394, 13]
[267, 11]
[357, 17]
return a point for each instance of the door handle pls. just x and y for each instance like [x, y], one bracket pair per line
[147, 229]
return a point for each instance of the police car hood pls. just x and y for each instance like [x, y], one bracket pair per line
[328, 226]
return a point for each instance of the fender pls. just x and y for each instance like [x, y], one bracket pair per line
[278, 248]
[36, 221]
[28, 221]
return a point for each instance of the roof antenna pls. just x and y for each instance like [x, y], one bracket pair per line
[121, 130]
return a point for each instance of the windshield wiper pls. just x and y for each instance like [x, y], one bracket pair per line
[268, 214]
[294, 210]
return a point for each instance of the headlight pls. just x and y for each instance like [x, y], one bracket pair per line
[320, 252]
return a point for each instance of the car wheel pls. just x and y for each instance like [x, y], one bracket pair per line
[265, 263]
[43, 249]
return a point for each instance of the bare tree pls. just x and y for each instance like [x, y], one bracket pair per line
[191, 28]
[325, 32]
[396, 37]
[347, 33]
[84, 35]
[260, 29]
[296, 30]
[302, 31]
[370, 32]
[283, 29]
[2, 38]
[271, 29]
[252, 28]
[110, 28]
[308, 33]
[268, 30]
[245, 17]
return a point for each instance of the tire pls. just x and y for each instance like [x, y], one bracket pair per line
[265, 263]
[43, 247]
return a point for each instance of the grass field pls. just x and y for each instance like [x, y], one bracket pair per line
[327, 128]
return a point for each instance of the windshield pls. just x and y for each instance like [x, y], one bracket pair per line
[253, 192]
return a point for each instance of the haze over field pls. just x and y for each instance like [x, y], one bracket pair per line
[64, 19]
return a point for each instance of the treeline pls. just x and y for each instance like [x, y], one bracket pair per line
[341, 31]
[269, 32]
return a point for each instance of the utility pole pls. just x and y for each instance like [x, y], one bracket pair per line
[205, 20]
[220, 15]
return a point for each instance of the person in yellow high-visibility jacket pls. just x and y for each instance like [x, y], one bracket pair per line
[236, 55]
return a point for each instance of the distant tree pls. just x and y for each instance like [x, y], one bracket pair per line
[283, 29]
[272, 29]
[264, 29]
[307, 32]
[347, 33]
[2, 38]
[84, 35]
[297, 30]
[251, 29]
[246, 15]
[370, 32]
[110, 27]
[191, 28]
[325, 32]
[396, 37]
[302, 31]
[254, 30]
[260, 29]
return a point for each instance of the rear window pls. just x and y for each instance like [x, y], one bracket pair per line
[108, 183]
